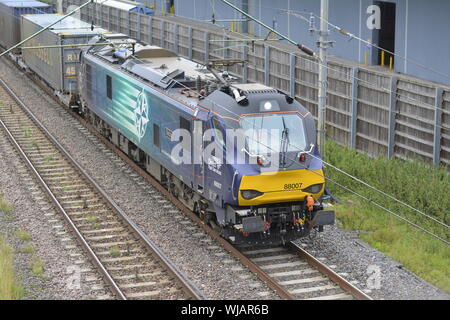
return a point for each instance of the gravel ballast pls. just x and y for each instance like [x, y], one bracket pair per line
[214, 271]
[362, 264]
[33, 216]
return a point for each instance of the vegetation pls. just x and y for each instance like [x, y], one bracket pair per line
[49, 160]
[5, 207]
[91, 219]
[115, 252]
[420, 185]
[10, 289]
[33, 144]
[27, 132]
[23, 235]
[27, 249]
[37, 266]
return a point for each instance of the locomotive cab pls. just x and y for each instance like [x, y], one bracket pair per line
[265, 181]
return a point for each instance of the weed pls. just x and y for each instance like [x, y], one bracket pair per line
[27, 132]
[10, 289]
[37, 266]
[416, 183]
[27, 249]
[4, 205]
[115, 252]
[23, 235]
[91, 219]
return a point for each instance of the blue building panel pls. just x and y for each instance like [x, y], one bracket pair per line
[422, 29]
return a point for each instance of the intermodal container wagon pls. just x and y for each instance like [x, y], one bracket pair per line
[10, 12]
[57, 66]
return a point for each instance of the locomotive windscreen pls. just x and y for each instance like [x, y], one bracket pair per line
[278, 132]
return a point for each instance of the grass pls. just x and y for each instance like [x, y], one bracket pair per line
[27, 249]
[420, 185]
[48, 160]
[37, 266]
[5, 207]
[23, 235]
[27, 132]
[115, 252]
[33, 144]
[91, 219]
[10, 289]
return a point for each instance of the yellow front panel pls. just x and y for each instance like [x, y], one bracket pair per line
[281, 186]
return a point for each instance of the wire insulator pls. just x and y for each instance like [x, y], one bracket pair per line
[306, 50]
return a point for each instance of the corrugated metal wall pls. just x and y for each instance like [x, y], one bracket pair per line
[379, 113]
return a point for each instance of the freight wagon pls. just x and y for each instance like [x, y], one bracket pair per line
[10, 12]
[57, 66]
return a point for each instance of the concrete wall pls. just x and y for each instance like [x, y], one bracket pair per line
[422, 28]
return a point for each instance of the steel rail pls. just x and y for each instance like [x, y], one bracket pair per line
[188, 287]
[93, 257]
[331, 274]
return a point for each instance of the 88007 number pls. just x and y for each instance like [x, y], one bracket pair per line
[292, 186]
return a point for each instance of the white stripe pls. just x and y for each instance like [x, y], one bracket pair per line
[312, 289]
[265, 250]
[296, 281]
[332, 297]
[283, 265]
[283, 256]
[292, 273]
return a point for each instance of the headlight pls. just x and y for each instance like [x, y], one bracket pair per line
[250, 194]
[315, 188]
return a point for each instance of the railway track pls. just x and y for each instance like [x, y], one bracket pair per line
[302, 275]
[130, 263]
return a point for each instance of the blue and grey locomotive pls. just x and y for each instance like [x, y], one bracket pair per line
[242, 156]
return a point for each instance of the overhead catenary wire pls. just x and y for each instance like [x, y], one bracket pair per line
[386, 90]
[345, 32]
[368, 83]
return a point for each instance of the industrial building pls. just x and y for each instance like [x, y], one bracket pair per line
[416, 29]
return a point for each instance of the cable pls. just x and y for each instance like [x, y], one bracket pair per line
[345, 32]
[422, 104]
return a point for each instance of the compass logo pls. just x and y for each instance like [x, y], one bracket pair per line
[141, 114]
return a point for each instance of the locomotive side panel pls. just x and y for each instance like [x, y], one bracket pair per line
[137, 113]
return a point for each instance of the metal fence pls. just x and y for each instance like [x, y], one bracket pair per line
[380, 113]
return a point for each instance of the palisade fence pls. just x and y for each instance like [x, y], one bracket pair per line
[379, 113]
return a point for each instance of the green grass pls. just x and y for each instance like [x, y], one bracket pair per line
[420, 185]
[33, 144]
[91, 219]
[115, 252]
[23, 235]
[27, 249]
[5, 207]
[10, 289]
[27, 132]
[37, 266]
[48, 160]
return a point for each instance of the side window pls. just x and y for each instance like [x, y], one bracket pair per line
[185, 124]
[156, 135]
[109, 87]
[218, 135]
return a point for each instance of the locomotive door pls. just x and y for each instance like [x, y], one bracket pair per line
[197, 152]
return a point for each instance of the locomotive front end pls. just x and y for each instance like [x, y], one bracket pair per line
[277, 184]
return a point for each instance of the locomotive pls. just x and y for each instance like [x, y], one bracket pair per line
[243, 156]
